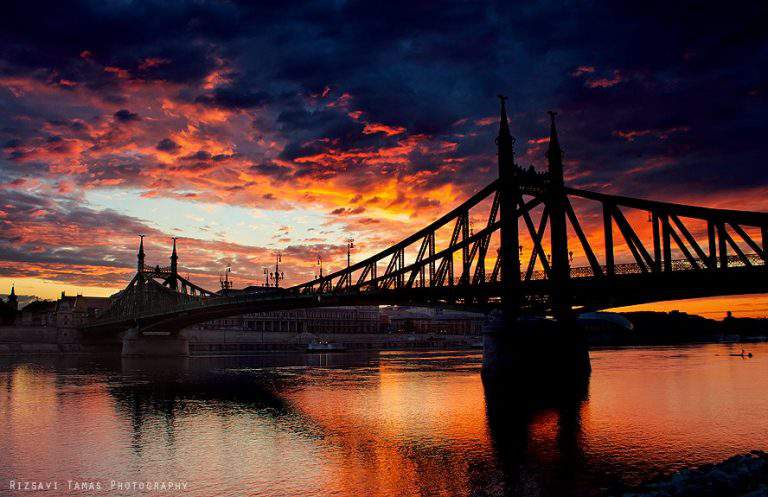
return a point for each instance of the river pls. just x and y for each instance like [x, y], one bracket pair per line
[375, 424]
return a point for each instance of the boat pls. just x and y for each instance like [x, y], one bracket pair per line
[743, 354]
[323, 346]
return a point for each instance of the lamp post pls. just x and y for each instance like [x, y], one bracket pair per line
[277, 275]
[350, 246]
[225, 282]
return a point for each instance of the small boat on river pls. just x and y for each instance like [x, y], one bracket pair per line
[323, 346]
[743, 354]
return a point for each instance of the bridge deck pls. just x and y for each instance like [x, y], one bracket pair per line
[589, 293]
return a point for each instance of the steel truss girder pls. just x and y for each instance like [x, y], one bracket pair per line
[668, 227]
[432, 271]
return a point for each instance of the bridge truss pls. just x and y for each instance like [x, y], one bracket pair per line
[525, 242]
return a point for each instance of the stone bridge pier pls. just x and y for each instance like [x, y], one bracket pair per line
[154, 344]
[535, 353]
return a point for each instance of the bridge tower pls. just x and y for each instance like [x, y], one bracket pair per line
[142, 293]
[173, 281]
[138, 297]
[539, 355]
[509, 197]
[570, 351]
[560, 271]
[140, 255]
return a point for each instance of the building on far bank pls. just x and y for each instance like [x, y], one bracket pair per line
[423, 320]
[66, 312]
[363, 319]
[77, 310]
[315, 320]
[38, 313]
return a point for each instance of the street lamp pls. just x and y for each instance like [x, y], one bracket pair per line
[226, 284]
[277, 275]
[350, 246]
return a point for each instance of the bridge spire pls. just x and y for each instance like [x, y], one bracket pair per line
[554, 152]
[509, 198]
[140, 255]
[504, 141]
[174, 257]
[174, 265]
[560, 272]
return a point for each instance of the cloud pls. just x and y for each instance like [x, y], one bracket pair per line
[167, 145]
[125, 116]
[234, 97]
[607, 82]
[581, 70]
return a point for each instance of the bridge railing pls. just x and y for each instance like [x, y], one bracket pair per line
[682, 237]
[677, 265]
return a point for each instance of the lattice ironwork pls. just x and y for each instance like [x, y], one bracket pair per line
[520, 256]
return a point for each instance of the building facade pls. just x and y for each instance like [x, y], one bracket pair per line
[315, 320]
[424, 320]
[66, 312]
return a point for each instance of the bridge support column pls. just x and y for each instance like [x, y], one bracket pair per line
[536, 354]
[137, 345]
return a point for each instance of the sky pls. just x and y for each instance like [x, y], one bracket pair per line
[244, 129]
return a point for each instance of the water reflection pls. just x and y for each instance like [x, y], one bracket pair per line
[536, 435]
[395, 423]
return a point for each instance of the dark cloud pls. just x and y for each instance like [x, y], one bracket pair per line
[235, 97]
[125, 116]
[200, 155]
[272, 170]
[341, 211]
[167, 145]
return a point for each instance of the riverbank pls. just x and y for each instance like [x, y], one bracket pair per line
[16, 340]
[678, 328]
[744, 475]
[648, 328]
[19, 340]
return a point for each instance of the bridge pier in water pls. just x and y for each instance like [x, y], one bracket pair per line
[136, 344]
[533, 353]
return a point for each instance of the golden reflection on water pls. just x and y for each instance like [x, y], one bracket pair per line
[664, 407]
[382, 424]
[399, 435]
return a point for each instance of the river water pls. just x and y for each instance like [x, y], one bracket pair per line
[377, 424]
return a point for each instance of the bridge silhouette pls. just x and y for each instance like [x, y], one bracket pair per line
[506, 247]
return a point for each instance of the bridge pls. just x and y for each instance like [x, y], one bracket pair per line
[507, 247]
